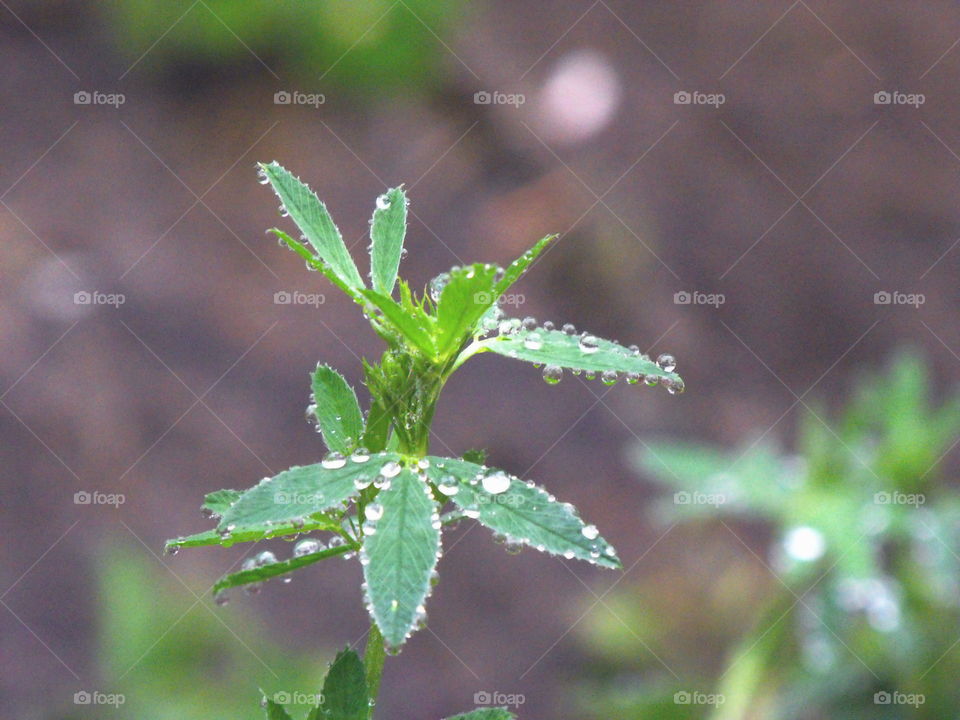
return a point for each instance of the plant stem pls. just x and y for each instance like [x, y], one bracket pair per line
[373, 658]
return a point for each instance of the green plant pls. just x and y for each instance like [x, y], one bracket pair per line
[378, 490]
[861, 578]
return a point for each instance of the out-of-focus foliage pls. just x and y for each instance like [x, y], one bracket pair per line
[171, 660]
[376, 45]
[860, 614]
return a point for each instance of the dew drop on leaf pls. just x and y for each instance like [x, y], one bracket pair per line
[609, 377]
[360, 455]
[588, 344]
[374, 511]
[383, 203]
[552, 374]
[496, 482]
[532, 342]
[334, 461]
[590, 532]
[448, 486]
[437, 285]
[569, 329]
[667, 362]
[307, 546]
[390, 469]
[266, 558]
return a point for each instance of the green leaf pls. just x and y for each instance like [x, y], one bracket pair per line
[519, 266]
[465, 299]
[252, 533]
[314, 221]
[336, 409]
[553, 347]
[345, 689]
[316, 263]
[296, 494]
[378, 428]
[415, 326]
[523, 512]
[400, 556]
[219, 501]
[281, 567]
[276, 711]
[486, 714]
[387, 230]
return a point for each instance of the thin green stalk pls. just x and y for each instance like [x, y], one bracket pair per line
[373, 658]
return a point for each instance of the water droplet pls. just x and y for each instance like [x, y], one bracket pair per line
[667, 362]
[508, 326]
[172, 549]
[248, 564]
[336, 541]
[307, 546]
[552, 374]
[374, 511]
[496, 482]
[532, 342]
[590, 532]
[513, 547]
[221, 598]
[362, 483]
[423, 463]
[651, 380]
[634, 350]
[674, 387]
[569, 329]
[360, 455]
[266, 558]
[390, 469]
[528, 323]
[334, 461]
[206, 512]
[632, 378]
[369, 528]
[437, 285]
[472, 513]
[382, 483]
[609, 377]
[383, 202]
[589, 344]
[448, 486]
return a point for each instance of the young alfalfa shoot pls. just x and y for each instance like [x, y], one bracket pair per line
[378, 492]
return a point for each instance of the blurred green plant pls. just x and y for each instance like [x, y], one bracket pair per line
[369, 47]
[155, 637]
[378, 491]
[860, 614]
